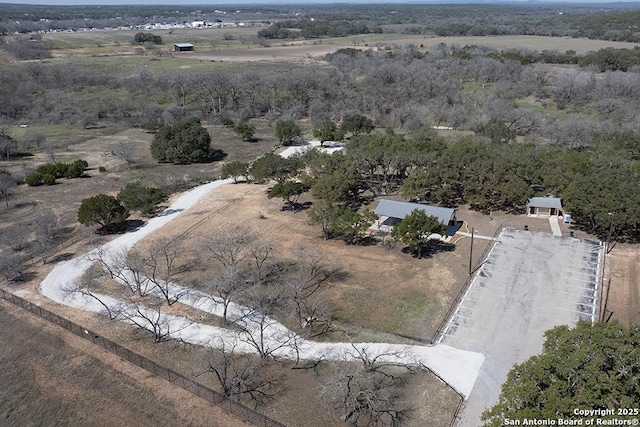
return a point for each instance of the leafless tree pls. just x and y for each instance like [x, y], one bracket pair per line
[305, 277]
[261, 253]
[16, 236]
[385, 360]
[261, 331]
[7, 183]
[125, 151]
[231, 247]
[227, 286]
[86, 286]
[127, 267]
[162, 262]
[50, 149]
[241, 375]
[366, 398]
[12, 266]
[46, 232]
[147, 315]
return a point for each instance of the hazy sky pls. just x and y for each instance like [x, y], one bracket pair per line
[245, 2]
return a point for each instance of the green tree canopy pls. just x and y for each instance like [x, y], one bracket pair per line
[184, 142]
[413, 230]
[590, 367]
[102, 209]
[272, 166]
[234, 169]
[287, 131]
[147, 38]
[289, 191]
[245, 131]
[328, 131]
[352, 224]
[356, 124]
[136, 197]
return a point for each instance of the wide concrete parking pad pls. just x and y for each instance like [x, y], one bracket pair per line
[529, 283]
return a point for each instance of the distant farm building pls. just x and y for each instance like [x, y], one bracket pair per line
[544, 206]
[391, 212]
[183, 47]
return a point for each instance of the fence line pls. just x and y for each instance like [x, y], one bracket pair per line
[463, 289]
[237, 409]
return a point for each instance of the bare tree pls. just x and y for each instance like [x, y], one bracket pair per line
[149, 317]
[86, 286]
[227, 286]
[125, 151]
[366, 398]
[231, 247]
[308, 274]
[46, 233]
[261, 331]
[7, 183]
[127, 267]
[163, 261]
[381, 360]
[260, 252]
[12, 266]
[16, 236]
[240, 374]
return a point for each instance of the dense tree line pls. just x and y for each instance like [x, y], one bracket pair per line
[315, 29]
[520, 111]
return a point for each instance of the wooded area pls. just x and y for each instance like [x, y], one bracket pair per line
[454, 125]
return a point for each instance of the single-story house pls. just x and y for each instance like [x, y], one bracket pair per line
[183, 47]
[393, 212]
[544, 206]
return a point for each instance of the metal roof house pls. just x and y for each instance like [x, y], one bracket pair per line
[183, 47]
[544, 206]
[393, 212]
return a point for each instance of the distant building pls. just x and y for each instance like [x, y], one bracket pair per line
[544, 206]
[183, 47]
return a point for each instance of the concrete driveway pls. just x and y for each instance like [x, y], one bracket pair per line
[529, 283]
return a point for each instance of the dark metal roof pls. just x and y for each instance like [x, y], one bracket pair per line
[394, 209]
[545, 202]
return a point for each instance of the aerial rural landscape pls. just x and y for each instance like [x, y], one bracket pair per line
[320, 214]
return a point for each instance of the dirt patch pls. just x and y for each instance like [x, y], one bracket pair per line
[622, 267]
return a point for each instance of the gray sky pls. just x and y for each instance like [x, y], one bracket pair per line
[245, 2]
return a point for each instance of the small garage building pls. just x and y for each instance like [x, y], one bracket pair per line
[544, 206]
[183, 47]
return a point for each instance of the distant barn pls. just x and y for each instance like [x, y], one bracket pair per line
[183, 47]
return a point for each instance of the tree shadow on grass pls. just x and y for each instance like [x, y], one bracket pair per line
[121, 228]
[217, 155]
[429, 249]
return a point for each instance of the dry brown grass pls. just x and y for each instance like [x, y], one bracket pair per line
[49, 376]
[623, 269]
[386, 290]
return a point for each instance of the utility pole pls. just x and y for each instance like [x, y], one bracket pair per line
[608, 248]
[471, 252]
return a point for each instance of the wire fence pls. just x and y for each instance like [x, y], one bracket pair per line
[238, 410]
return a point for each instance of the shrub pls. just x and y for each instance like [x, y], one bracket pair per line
[102, 209]
[136, 197]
